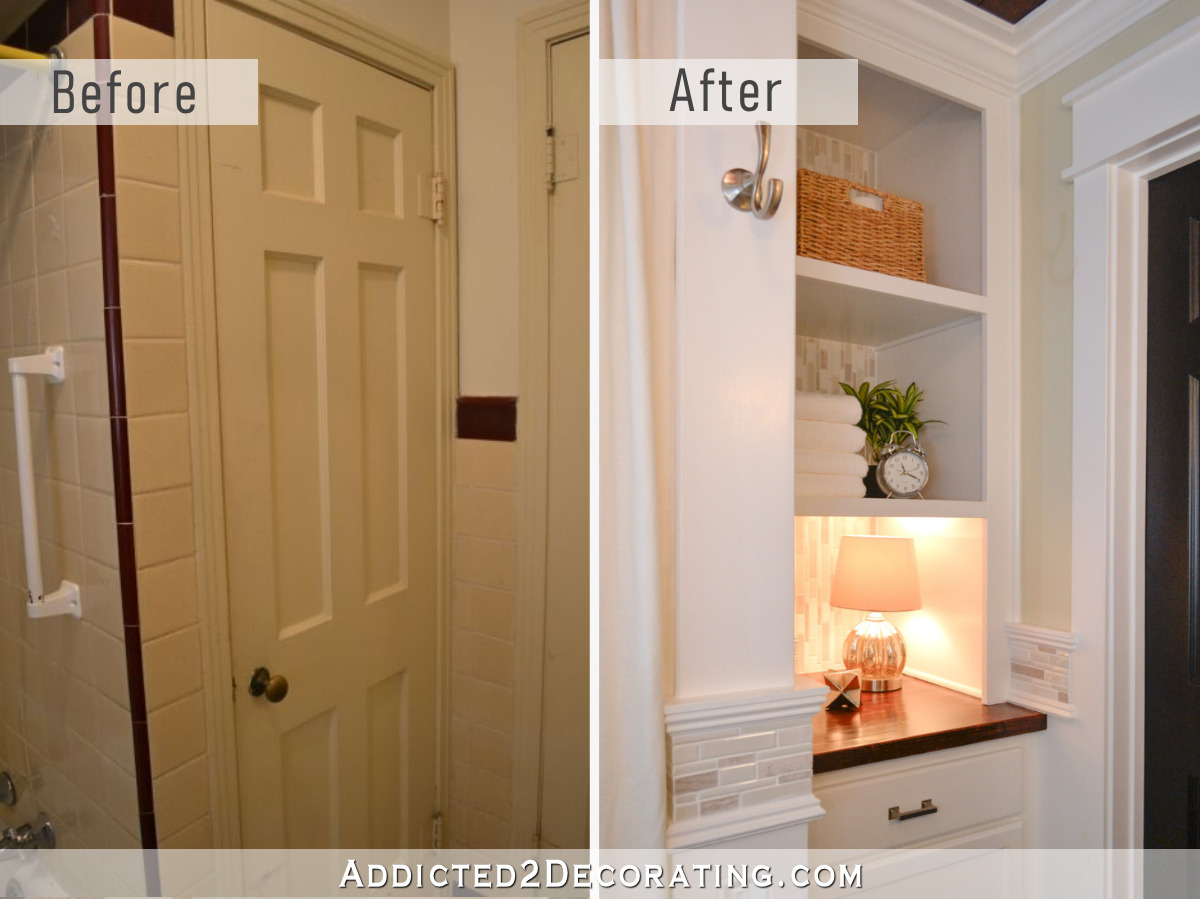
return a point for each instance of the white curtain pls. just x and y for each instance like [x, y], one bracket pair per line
[637, 213]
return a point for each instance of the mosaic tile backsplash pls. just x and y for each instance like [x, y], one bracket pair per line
[1040, 668]
[829, 156]
[822, 364]
[820, 629]
[728, 768]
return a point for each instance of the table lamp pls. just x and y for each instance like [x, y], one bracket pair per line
[876, 575]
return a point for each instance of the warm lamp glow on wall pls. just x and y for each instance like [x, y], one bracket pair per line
[876, 575]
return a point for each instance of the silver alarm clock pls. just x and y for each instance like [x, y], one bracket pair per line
[903, 470]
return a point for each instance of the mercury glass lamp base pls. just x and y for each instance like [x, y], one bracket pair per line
[881, 684]
[877, 650]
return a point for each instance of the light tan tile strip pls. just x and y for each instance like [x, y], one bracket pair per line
[482, 644]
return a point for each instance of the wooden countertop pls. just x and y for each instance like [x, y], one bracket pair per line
[919, 717]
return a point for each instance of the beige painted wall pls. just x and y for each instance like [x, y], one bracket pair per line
[480, 37]
[1047, 240]
[483, 46]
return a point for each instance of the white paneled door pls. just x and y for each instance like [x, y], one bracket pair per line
[327, 366]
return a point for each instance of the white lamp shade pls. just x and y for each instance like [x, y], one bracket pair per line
[876, 574]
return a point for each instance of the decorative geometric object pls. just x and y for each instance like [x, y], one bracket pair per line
[874, 575]
[847, 686]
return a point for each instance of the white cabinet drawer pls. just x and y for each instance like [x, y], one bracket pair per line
[967, 791]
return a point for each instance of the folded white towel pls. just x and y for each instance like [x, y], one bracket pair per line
[829, 485]
[828, 407]
[816, 462]
[829, 437]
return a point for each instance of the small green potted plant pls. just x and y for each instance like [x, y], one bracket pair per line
[886, 410]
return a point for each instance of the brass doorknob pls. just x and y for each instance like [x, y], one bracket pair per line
[273, 686]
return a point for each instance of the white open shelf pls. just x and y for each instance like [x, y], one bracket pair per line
[839, 302]
[889, 508]
[929, 148]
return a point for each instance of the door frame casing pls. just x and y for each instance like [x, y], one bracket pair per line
[317, 21]
[1118, 147]
[536, 32]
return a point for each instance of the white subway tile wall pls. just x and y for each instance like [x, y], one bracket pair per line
[65, 727]
[482, 660]
[712, 771]
[819, 628]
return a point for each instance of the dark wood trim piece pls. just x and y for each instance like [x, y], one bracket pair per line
[918, 718]
[47, 26]
[1011, 11]
[156, 14]
[487, 418]
[122, 484]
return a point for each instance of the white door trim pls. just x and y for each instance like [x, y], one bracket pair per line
[366, 42]
[1126, 132]
[535, 33]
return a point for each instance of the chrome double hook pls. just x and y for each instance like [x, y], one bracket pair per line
[745, 191]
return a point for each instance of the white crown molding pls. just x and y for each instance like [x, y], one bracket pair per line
[963, 39]
[738, 709]
[743, 822]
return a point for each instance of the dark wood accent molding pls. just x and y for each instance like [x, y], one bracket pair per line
[122, 483]
[918, 718]
[1011, 11]
[487, 418]
[156, 14]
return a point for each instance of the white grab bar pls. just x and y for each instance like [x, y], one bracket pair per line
[65, 600]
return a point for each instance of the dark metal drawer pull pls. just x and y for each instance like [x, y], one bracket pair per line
[927, 808]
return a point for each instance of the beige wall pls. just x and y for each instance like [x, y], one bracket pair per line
[479, 36]
[1047, 247]
[483, 47]
[65, 724]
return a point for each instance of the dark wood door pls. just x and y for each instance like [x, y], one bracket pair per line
[1172, 728]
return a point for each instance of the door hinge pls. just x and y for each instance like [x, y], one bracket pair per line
[435, 835]
[439, 199]
[549, 159]
[431, 197]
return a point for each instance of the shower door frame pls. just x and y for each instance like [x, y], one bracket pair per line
[324, 24]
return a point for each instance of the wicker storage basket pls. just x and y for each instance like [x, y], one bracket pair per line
[830, 227]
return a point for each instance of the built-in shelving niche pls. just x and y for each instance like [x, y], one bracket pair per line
[929, 149]
[922, 145]
[930, 335]
[926, 148]
[945, 637]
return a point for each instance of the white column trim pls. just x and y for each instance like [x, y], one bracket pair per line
[748, 716]
[739, 709]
